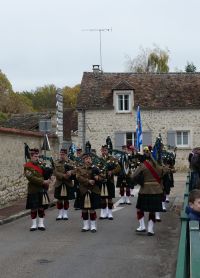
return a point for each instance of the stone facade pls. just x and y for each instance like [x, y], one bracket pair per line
[101, 123]
[169, 104]
[13, 184]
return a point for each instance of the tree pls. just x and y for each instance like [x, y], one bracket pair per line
[5, 85]
[44, 98]
[190, 67]
[70, 96]
[149, 60]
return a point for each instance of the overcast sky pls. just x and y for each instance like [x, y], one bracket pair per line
[42, 41]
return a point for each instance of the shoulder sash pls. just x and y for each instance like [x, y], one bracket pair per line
[34, 167]
[153, 172]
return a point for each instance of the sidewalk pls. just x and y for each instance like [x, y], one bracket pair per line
[17, 209]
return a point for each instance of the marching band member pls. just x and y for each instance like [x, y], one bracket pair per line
[123, 179]
[88, 176]
[150, 193]
[37, 198]
[107, 188]
[64, 171]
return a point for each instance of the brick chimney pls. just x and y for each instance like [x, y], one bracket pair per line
[96, 69]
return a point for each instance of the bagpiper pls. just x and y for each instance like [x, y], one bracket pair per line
[124, 182]
[88, 177]
[64, 172]
[111, 167]
[37, 198]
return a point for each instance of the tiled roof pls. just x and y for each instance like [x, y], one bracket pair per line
[151, 91]
[28, 121]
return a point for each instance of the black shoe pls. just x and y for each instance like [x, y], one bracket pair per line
[93, 231]
[167, 201]
[150, 234]
[158, 220]
[33, 229]
[110, 218]
[65, 218]
[140, 231]
[102, 218]
[41, 228]
[122, 203]
[84, 230]
[164, 210]
[58, 219]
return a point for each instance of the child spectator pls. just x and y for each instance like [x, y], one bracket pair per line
[193, 209]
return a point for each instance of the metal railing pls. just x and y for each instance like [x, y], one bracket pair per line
[189, 244]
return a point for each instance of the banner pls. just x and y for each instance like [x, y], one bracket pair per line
[139, 131]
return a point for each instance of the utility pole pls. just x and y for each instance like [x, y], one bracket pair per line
[99, 30]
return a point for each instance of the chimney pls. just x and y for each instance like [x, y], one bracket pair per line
[96, 69]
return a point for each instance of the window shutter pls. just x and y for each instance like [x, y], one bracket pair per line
[146, 138]
[171, 136]
[119, 140]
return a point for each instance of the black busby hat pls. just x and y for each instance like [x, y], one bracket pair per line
[85, 155]
[104, 147]
[34, 151]
[63, 151]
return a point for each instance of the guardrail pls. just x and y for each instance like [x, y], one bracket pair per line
[188, 251]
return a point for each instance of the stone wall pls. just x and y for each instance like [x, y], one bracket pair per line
[13, 184]
[99, 124]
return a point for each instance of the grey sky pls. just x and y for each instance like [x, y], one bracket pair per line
[42, 41]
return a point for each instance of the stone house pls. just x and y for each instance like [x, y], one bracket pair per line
[169, 104]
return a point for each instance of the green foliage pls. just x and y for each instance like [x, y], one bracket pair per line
[5, 85]
[44, 98]
[190, 67]
[3, 117]
[149, 60]
[70, 96]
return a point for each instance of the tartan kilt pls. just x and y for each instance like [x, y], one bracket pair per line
[34, 200]
[70, 193]
[94, 199]
[150, 202]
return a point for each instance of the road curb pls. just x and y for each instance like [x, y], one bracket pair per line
[21, 214]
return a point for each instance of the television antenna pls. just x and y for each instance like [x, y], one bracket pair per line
[99, 30]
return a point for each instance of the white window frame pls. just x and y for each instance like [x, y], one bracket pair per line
[116, 95]
[188, 135]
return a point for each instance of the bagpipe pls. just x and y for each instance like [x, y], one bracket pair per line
[161, 155]
[45, 162]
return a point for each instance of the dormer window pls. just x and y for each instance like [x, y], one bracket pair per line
[123, 101]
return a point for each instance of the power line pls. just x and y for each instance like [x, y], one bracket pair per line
[99, 30]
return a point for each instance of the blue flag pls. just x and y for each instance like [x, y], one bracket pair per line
[139, 131]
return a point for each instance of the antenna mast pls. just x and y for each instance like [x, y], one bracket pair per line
[99, 30]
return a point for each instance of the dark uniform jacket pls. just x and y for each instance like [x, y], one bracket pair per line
[150, 183]
[34, 173]
[84, 174]
[61, 166]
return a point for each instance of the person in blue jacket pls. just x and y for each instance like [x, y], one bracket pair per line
[193, 208]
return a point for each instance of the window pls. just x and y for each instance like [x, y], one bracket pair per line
[123, 101]
[182, 138]
[124, 138]
[130, 138]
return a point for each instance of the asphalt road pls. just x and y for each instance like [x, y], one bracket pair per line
[114, 251]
